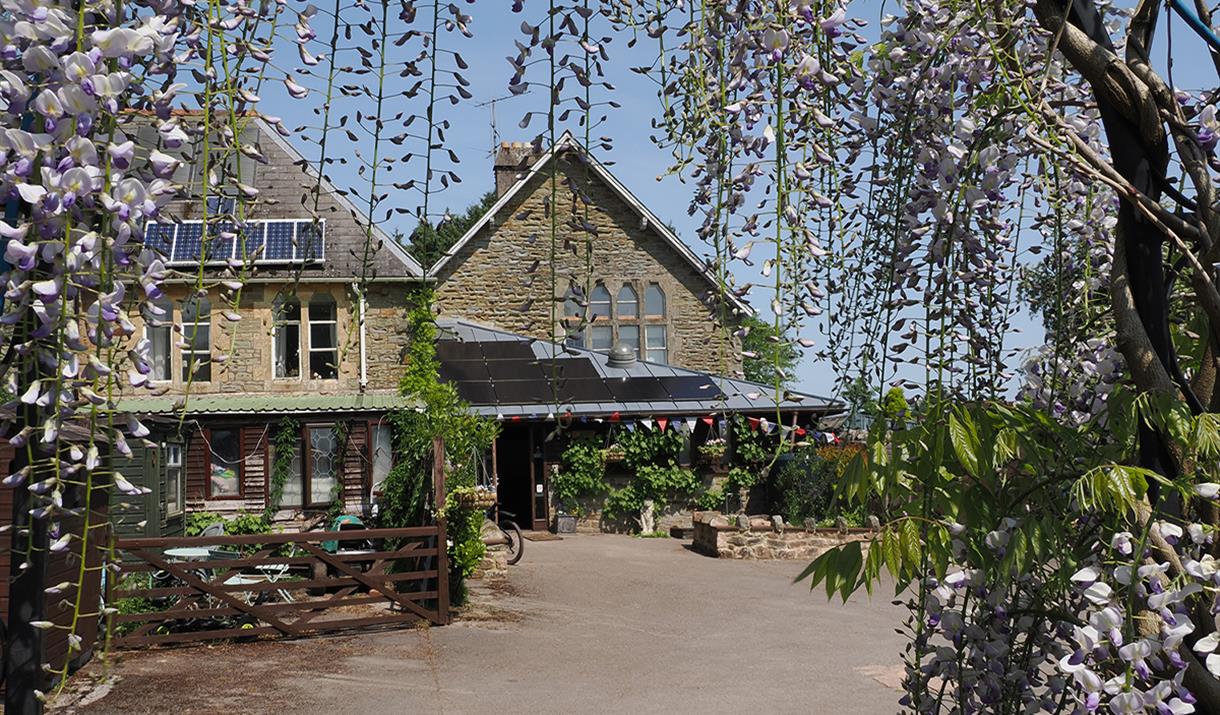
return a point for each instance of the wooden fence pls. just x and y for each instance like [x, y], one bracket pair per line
[276, 584]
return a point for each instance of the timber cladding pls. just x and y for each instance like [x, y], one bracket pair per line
[63, 566]
[502, 277]
[255, 436]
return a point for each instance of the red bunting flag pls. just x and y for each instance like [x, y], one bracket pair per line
[708, 421]
[753, 423]
[614, 417]
[800, 431]
[662, 422]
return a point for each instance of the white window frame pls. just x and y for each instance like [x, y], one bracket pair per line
[309, 339]
[166, 323]
[174, 462]
[188, 340]
[275, 328]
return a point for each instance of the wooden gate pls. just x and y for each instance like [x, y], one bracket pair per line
[177, 589]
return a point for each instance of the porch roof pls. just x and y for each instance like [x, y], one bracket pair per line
[507, 375]
[267, 404]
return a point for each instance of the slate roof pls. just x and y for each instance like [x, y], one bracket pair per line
[267, 404]
[503, 374]
[568, 142]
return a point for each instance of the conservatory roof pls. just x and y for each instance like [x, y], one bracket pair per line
[507, 375]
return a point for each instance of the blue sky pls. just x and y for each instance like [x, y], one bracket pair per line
[636, 160]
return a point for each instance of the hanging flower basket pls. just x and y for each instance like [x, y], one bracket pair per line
[613, 453]
[476, 498]
[713, 450]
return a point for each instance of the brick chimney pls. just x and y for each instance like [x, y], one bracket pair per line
[512, 161]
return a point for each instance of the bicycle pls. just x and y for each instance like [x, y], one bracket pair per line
[512, 535]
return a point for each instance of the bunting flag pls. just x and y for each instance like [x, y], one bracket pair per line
[691, 422]
[800, 431]
[647, 422]
[753, 423]
[708, 421]
[550, 417]
[614, 417]
[662, 423]
[630, 426]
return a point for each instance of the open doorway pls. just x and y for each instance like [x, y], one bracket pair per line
[520, 477]
[513, 459]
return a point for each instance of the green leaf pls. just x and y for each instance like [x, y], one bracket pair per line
[965, 441]
[849, 562]
[1113, 487]
[1207, 434]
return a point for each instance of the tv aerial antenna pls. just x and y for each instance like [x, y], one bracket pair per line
[495, 133]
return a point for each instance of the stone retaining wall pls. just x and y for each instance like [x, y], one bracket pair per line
[765, 537]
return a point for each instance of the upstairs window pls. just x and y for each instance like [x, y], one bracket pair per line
[654, 301]
[628, 303]
[574, 336]
[323, 338]
[656, 327]
[599, 303]
[196, 340]
[286, 338]
[159, 332]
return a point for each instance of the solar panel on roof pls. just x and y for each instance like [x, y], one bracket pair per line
[574, 368]
[462, 370]
[279, 241]
[309, 240]
[691, 387]
[188, 244]
[584, 390]
[516, 392]
[517, 370]
[476, 393]
[160, 237]
[222, 240]
[637, 389]
[254, 234]
[455, 350]
[506, 350]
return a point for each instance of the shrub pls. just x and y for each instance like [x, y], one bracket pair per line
[582, 473]
[802, 486]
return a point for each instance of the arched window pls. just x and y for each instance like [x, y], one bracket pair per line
[656, 328]
[599, 303]
[159, 331]
[323, 337]
[572, 319]
[628, 303]
[286, 338]
[654, 301]
[601, 329]
[196, 340]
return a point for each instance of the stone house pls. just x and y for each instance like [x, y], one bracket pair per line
[614, 273]
[315, 335]
[311, 347]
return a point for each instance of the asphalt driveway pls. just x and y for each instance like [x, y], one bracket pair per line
[593, 623]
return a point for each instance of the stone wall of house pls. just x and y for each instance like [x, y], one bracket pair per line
[246, 346]
[761, 537]
[502, 277]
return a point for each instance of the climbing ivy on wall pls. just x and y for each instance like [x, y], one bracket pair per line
[582, 474]
[467, 437]
[286, 441]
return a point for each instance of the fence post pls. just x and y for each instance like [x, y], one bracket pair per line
[442, 551]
